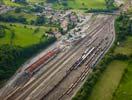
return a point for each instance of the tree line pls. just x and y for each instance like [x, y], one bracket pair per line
[110, 7]
[123, 27]
[12, 56]
[2, 31]
[110, 4]
[40, 20]
[11, 18]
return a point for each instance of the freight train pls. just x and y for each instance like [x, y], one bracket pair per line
[30, 70]
[42, 61]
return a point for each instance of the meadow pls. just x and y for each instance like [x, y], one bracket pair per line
[35, 1]
[109, 81]
[86, 3]
[74, 4]
[125, 48]
[115, 82]
[9, 3]
[24, 35]
[82, 4]
[124, 90]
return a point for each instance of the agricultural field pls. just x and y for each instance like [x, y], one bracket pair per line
[86, 3]
[124, 91]
[24, 35]
[83, 4]
[74, 4]
[36, 1]
[125, 48]
[110, 79]
[9, 3]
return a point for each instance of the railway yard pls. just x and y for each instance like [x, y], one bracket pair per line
[61, 70]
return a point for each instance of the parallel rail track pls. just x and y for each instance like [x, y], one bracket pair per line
[21, 90]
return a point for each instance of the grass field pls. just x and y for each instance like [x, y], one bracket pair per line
[86, 3]
[36, 1]
[109, 81]
[75, 4]
[125, 48]
[24, 36]
[81, 4]
[9, 3]
[124, 91]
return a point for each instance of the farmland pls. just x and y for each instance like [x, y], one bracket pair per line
[124, 91]
[74, 4]
[125, 48]
[87, 4]
[35, 1]
[109, 81]
[9, 3]
[24, 34]
[82, 4]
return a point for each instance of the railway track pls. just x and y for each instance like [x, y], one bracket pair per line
[13, 95]
[55, 86]
[62, 59]
[84, 73]
[20, 88]
[87, 72]
[73, 53]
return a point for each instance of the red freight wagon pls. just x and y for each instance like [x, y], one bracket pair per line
[36, 65]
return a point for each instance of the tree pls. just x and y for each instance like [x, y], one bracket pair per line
[17, 10]
[2, 31]
[40, 20]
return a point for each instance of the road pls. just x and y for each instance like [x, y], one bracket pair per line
[58, 80]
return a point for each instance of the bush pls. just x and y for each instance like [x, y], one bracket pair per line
[2, 31]
[11, 18]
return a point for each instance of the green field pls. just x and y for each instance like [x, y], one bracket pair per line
[81, 4]
[125, 48]
[86, 3]
[75, 4]
[36, 1]
[9, 3]
[24, 35]
[124, 91]
[109, 81]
